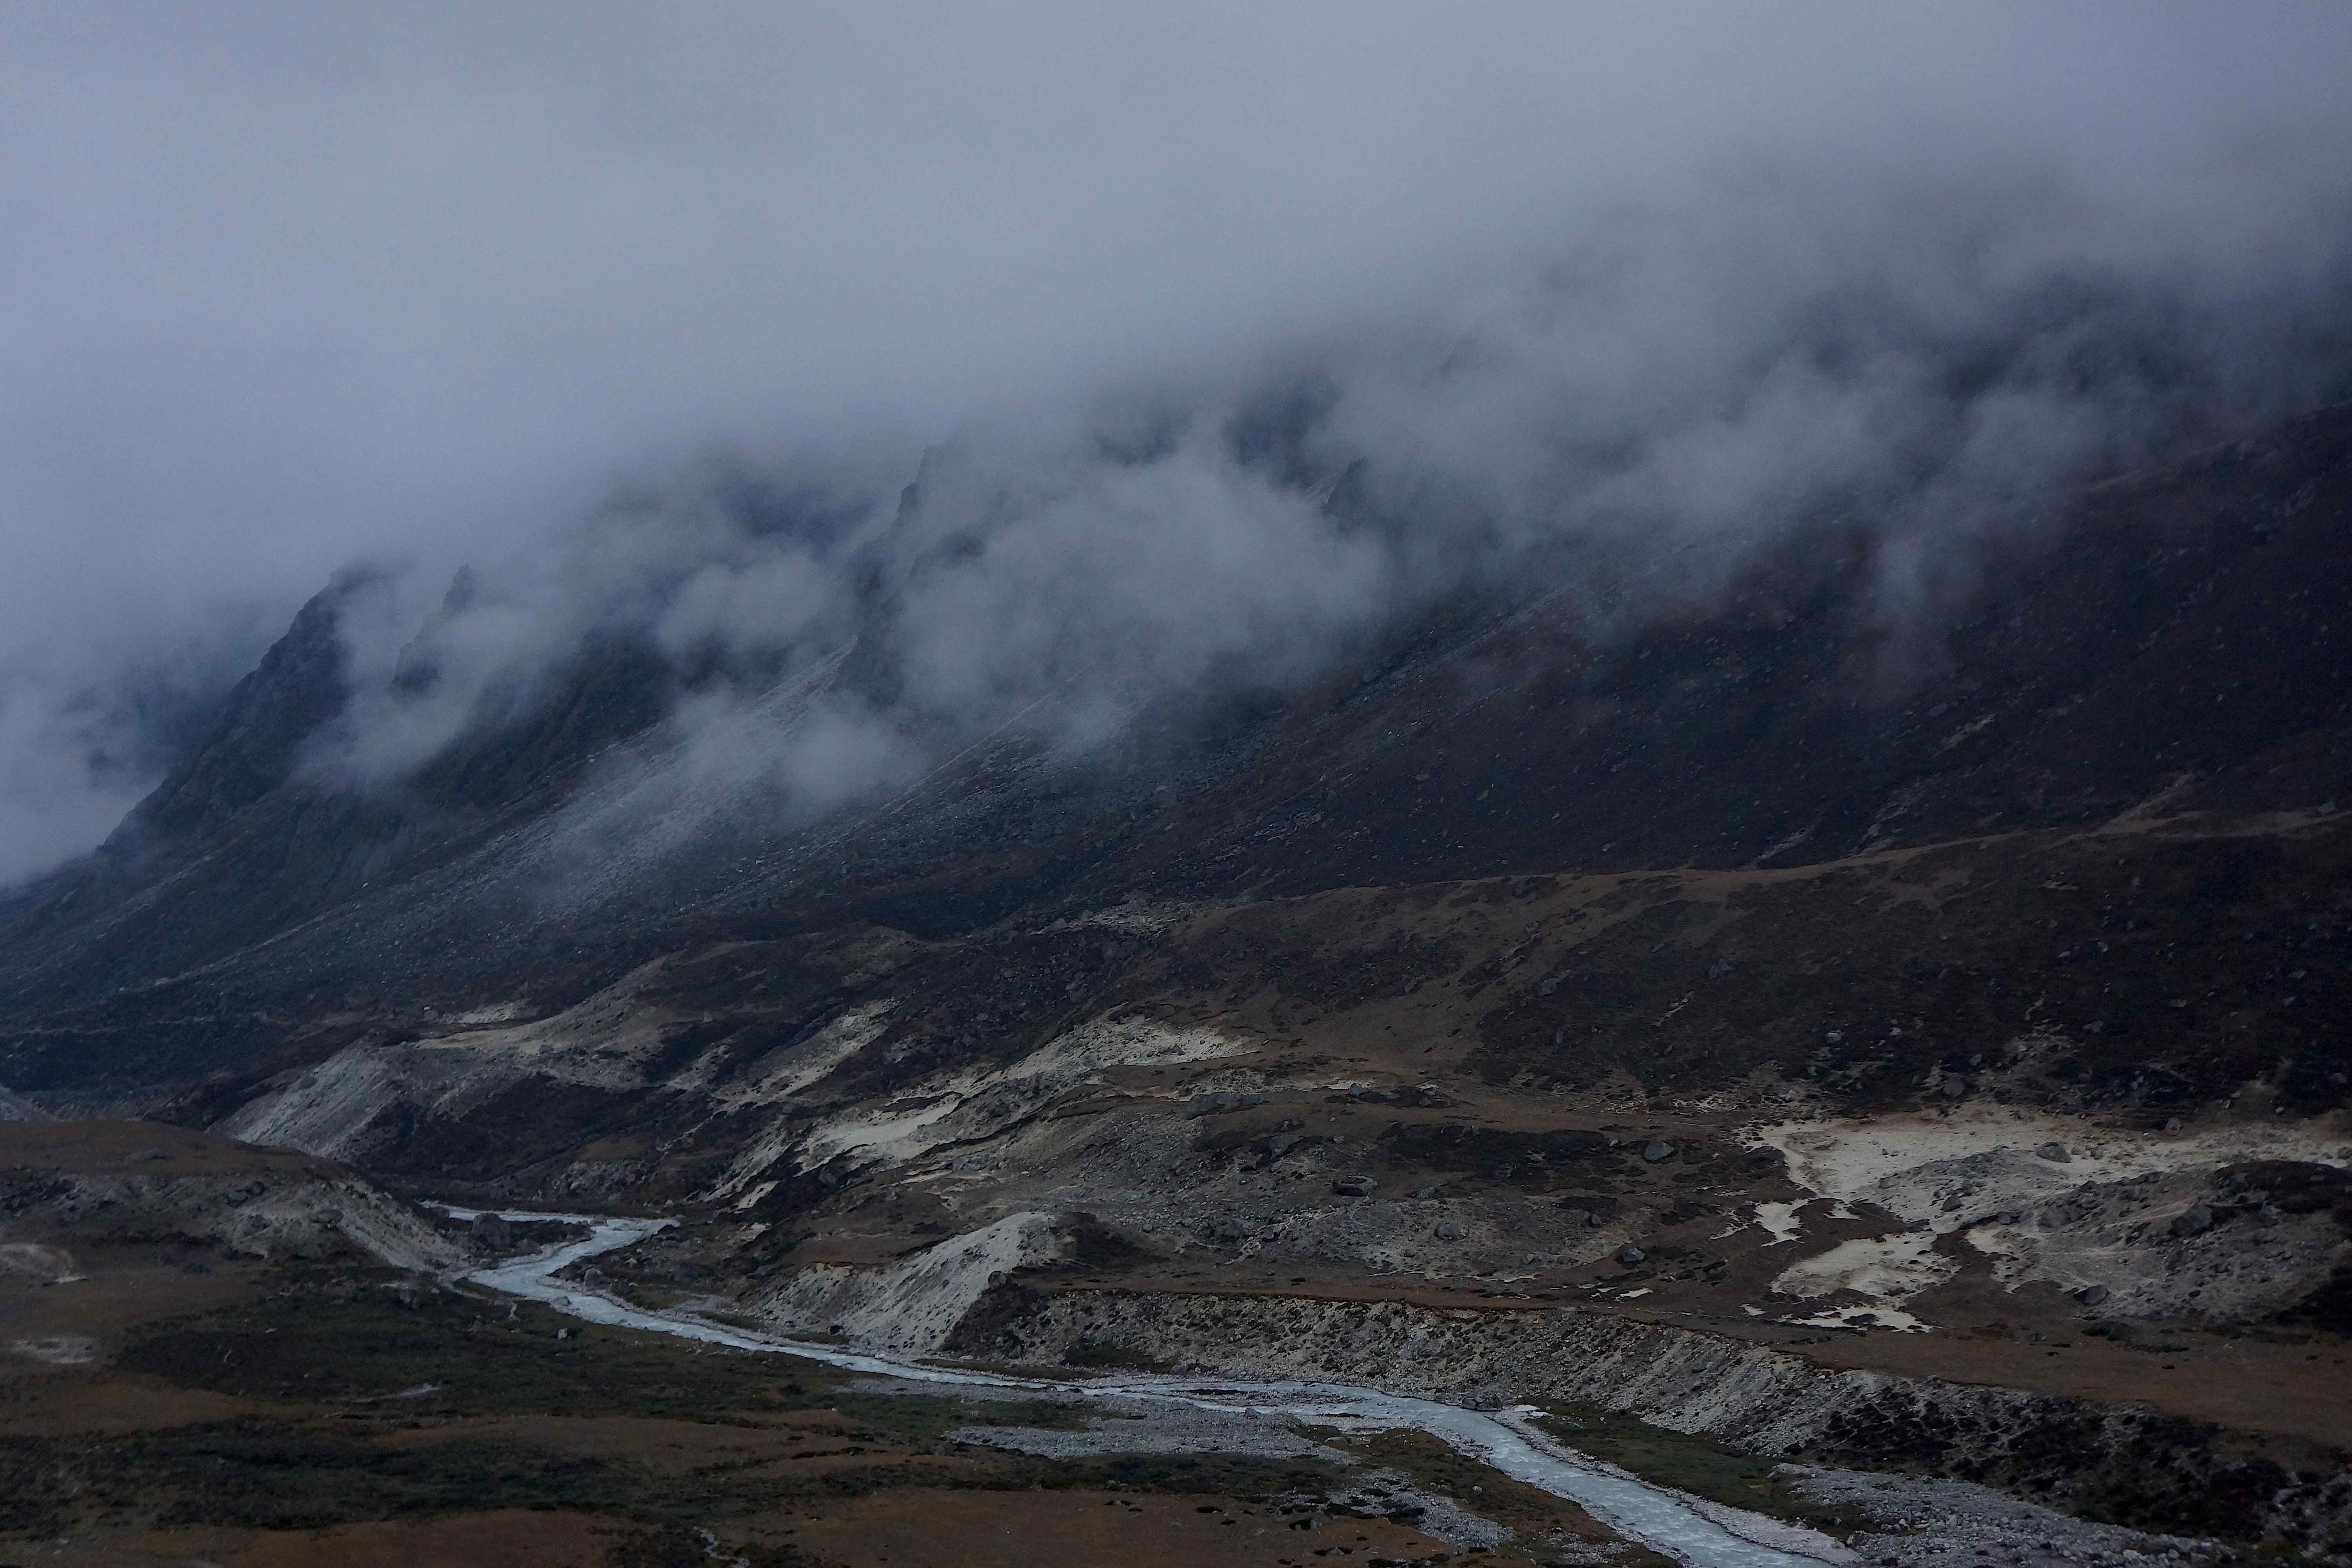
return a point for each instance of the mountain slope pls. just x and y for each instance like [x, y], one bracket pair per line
[1937, 974]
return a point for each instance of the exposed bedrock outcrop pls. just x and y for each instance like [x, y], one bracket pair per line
[911, 1306]
[2126, 1464]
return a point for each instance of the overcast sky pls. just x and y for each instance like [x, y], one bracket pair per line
[284, 286]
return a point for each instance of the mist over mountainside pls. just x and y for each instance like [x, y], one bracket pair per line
[2166, 636]
[1635, 723]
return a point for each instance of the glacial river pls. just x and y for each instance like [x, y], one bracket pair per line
[1684, 1528]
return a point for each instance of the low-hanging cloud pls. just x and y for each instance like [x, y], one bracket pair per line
[1207, 341]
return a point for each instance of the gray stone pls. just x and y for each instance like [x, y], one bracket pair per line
[1428, 1189]
[2053, 1151]
[2092, 1295]
[1282, 1143]
[1657, 1150]
[1452, 1230]
[1629, 1254]
[491, 1231]
[2194, 1220]
[1354, 1186]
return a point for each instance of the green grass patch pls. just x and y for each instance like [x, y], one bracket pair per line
[1699, 1465]
[476, 1358]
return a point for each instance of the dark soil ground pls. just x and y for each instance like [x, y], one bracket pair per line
[261, 1414]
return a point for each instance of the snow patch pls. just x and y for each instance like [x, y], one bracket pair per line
[1779, 1220]
[1885, 1269]
[1914, 1165]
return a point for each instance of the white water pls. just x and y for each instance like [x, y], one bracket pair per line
[1665, 1520]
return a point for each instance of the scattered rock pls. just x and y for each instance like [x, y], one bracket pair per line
[1354, 1186]
[1657, 1150]
[44, 1265]
[1629, 1254]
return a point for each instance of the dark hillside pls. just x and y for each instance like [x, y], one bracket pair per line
[2177, 633]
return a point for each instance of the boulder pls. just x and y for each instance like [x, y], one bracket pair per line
[2054, 1152]
[1354, 1186]
[490, 1230]
[1629, 1254]
[2092, 1295]
[1452, 1230]
[2194, 1220]
[1657, 1150]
